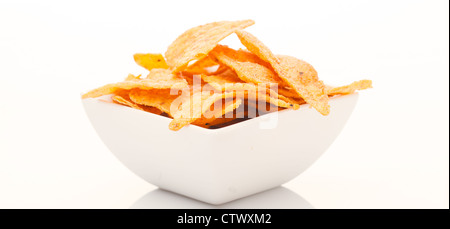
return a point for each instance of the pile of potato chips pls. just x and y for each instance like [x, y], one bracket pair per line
[204, 83]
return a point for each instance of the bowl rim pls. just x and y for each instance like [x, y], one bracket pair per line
[206, 130]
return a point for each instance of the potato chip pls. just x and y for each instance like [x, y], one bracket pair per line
[229, 82]
[211, 115]
[248, 71]
[254, 108]
[202, 66]
[302, 77]
[150, 61]
[197, 42]
[288, 92]
[127, 102]
[299, 75]
[241, 55]
[161, 99]
[220, 121]
[157, 81]
[259, 49]
[349, 89]
[221, 86]
[218, 81]
[192, 107]
[132, 77]
[229, 118]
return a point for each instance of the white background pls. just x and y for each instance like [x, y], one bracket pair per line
[393, 153]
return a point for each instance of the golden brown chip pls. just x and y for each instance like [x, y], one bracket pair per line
[221, 86]
[302, 77]
[231, 117]
[219, 121]
[161, 99]
[202, 66]
[298, 75]
[240, 55]
[218, 81]
[165, 75]
[272, 97]
[190, 108]
[258, 48]
[132, 77]
[127, 102]
[255, 108]
[210, 116]
[229, 82]
[248, 71]
[288, 92]
[150, 61]
[349, 89]
[160, 81]
[196, 42]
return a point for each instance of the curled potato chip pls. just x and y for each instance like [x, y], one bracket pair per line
[258, 48]
[299, 75]
[158, 81]
[351, 88]
[255, 109]
[229, 118]
[150, 60]
[197, 42]
[161, 99]
[219, 122]
[221, 86]
[210, 116]
[288, 92]
[302, 77]
[190, 108]
[229, 82]
[248, 71]
[218, 81]
[203, 66]
[240, 55]
[132, 77]
[272, 97]
[127, 102]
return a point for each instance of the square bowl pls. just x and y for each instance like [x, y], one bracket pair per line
[219, 165]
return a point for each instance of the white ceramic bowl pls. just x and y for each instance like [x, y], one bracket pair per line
[219, 165]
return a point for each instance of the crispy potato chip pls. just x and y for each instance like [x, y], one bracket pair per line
[127, 102]
[241, 55]
[132, 77]
[196, 42]
[271, 97]
[228, 82]
[302, 77]
[150, 61]
[160, 74]
[192, 107]
[288, 92]
[258, 48]
[161, 99]
[202, 66]
[228, 119]
[221, 86]
[248, 71]
[349, 89]
[219, 121]
[299, 75]
[255, 109]
[159, 81]
[218, 81]
[210, 116]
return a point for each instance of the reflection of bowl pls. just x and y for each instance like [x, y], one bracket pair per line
[219, 165]
[276, 198]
